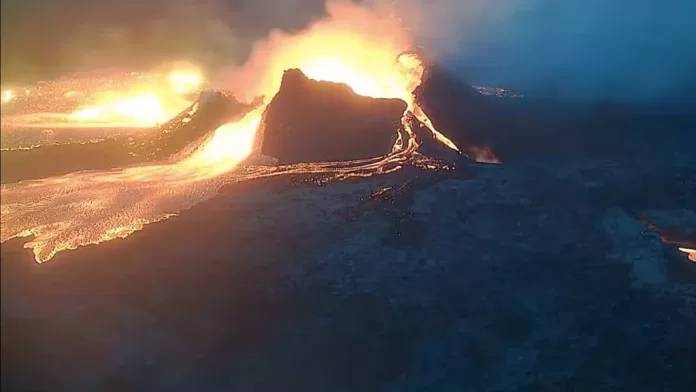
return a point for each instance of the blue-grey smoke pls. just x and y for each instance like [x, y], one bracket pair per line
[595, 49]
[587, 49]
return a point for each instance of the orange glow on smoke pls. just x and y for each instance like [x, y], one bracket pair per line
[354, 45]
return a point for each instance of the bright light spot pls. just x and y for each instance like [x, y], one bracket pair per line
[185, 82]
[117, 100]
[229, 144]
[339, 71]
[7, 96]
[142, 104]
[145, 109]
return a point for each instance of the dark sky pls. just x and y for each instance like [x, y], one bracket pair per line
[41, 37]
[589, 48]
[628, 49]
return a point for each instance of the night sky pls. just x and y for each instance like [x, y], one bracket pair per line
[588, 48]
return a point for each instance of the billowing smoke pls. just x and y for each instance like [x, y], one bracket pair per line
[590, 49]
[46, 38]
[341, 34]
[584, 49]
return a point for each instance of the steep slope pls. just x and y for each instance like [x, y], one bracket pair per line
[311, 121]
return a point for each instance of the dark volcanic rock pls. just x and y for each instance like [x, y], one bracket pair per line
[473, 120]
[456, 109]
[513, 278]
[533, 127]
[310, 121]
[431, 147]
[214, 109]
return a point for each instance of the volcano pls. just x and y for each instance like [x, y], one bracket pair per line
[485, 127]
[313, 121]
[212, 109]
[306, 121]
[336, 234]
[393, 279]
[322, 125]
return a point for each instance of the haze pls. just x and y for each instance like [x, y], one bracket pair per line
[589, 49]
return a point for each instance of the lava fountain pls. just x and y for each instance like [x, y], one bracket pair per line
[353, 45]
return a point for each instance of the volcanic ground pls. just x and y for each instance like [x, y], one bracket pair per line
[557, 269]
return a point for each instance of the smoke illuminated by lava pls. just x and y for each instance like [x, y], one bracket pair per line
[353, 45]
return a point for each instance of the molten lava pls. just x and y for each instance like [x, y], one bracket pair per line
[145, 110]
[354, 45]
[691, 253]
[117, 100]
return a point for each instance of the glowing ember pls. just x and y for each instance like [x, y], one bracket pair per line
[356, 46]
[691, 253]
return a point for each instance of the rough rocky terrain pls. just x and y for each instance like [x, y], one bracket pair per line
[556, 271]
[528, 277]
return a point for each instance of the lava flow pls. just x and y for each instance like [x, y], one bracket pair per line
[105, 99]
[354, 45]
[690, 253]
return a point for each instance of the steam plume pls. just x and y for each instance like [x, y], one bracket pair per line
[591, 49]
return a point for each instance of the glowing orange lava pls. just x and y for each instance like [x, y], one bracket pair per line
[691, 253]
[140, 100]
[144, 104]
[353, 45]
